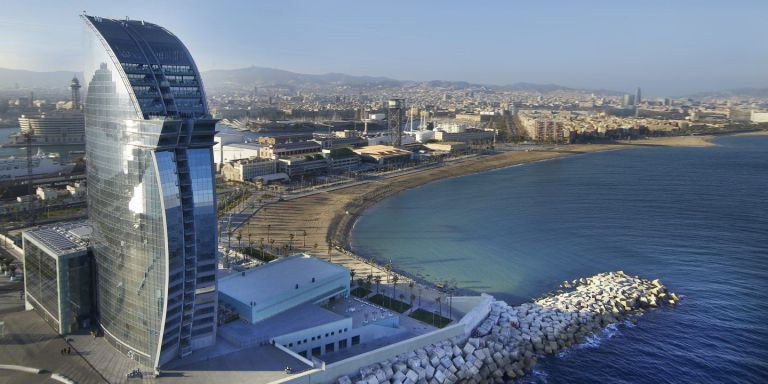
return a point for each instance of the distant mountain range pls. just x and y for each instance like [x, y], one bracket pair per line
[11, 78]
[737, 92]
[261, 76]
[247, 78]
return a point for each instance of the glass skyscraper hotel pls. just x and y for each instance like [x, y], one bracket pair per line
[151, 190]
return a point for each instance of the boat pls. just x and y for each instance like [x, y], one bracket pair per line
[42, 164]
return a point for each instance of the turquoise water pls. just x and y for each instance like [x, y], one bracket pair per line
[697, 218]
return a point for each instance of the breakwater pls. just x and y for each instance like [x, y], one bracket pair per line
[506, 345]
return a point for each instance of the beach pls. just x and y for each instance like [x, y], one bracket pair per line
[318, 219]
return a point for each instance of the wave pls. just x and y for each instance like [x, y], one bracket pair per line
[595, 339]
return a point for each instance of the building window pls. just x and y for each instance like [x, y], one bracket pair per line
[342, 344]
[329, 347]
[316, 351]
[356, 340]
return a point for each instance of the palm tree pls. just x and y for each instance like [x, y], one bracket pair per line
[261, 247]
[395, 278]
[290, 237]
[438, 301]
[250, 243]
[368, 280]
[239, 237]
[352, 275]
[377, 279]
[388, 268]
[304, 234]
[410, 289]
[269, 228]
[314, 248]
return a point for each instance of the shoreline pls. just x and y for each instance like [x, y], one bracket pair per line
[311, 223]
[342, 234]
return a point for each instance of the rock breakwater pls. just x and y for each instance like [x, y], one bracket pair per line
[506, 345]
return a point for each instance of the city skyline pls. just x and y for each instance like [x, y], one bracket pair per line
[668, 49]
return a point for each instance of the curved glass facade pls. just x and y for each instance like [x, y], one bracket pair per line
[150, 191]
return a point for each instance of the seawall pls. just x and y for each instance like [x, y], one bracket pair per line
[507, 343]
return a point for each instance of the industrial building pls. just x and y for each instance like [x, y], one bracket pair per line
[383, 154]
[282, 139]
[278, 151]
[229, 149]
[448, 147]
[336, 160]
[467, 136]
[58, 275]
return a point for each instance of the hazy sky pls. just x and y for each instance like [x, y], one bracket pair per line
[666, 47]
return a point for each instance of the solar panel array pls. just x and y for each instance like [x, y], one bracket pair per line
[59, 239]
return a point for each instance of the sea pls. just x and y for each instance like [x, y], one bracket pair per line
[696, 218]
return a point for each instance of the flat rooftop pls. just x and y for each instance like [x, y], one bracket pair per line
[381, 150]
[264, 282]
[293, 320]
[62, 239]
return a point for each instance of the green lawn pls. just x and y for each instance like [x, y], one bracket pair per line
[389, 303]
[360, 292]
[431, 318]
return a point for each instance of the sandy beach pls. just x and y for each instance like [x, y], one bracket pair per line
[321, 218]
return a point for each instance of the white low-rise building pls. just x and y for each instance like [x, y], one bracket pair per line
[248, 169]
[275, 287]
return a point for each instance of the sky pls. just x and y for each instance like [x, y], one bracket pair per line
[666, 47]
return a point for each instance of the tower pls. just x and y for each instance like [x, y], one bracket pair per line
[395, 120]
[637, 96]
[75, 87]
[151, 191]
